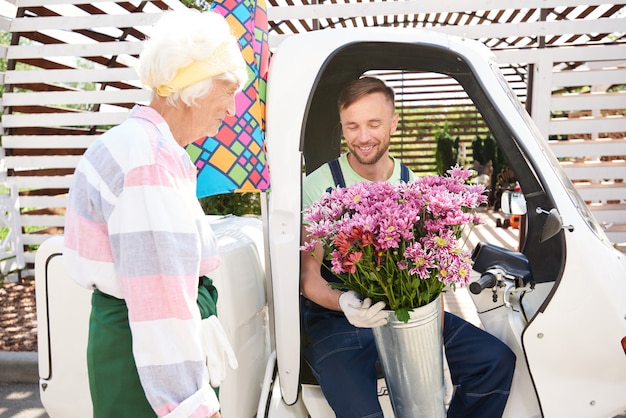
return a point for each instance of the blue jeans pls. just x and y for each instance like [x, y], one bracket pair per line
[343, 360]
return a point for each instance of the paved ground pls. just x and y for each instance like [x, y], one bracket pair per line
[20, 400]
[19, 390]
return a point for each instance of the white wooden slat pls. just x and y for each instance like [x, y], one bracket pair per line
[3, 51]
[588, 124]
[588, 148]
[330, 10]
[588, 101]
[589, 77]
[43, 201]
[616, 228]
[34, 239]
[41, 162]
[29, 259]
[63, 119]
[30, 3]
[504, 30]
[595, 170]
[563, 53]
[74, 50]
[609, 214]
[600, 195]
[128, 20]
[561, 27]
[41, 182]
[47, 141]
[601, 192]
[590, 53]
[76, 97]
[5, 23]
[616, 236]
[43, 220]
[71, 75]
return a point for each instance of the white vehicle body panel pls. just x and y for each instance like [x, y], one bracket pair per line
[63, 320]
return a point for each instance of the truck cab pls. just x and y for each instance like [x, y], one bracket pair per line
[565, 322]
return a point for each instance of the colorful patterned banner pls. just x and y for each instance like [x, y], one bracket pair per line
[234, 160]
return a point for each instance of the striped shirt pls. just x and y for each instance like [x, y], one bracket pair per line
[135, 230]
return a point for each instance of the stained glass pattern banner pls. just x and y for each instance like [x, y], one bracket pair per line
[234, 159]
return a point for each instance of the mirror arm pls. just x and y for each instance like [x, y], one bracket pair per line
[540, 210]
[570, 228]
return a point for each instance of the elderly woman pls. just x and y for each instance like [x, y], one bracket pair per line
[136, 234]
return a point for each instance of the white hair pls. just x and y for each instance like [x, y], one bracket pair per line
[179, 38]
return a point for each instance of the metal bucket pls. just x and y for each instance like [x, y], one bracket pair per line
[412, 358]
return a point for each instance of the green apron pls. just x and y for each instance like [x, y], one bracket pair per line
[113, 380]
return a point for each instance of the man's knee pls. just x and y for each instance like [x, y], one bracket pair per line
[507, 359]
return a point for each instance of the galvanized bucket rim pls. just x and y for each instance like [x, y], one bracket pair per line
[417, 316]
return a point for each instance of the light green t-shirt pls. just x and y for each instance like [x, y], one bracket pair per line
[316, 183]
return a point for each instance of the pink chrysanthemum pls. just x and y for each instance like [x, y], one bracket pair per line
[398, 243]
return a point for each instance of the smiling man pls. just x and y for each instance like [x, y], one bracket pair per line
[337, 339]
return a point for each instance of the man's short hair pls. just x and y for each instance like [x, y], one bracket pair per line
[364, 86]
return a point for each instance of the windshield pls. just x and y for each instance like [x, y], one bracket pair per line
[580, 204]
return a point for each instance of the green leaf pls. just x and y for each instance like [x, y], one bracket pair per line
[402, 314]
[337, 285]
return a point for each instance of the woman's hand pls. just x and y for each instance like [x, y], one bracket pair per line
[216, 415]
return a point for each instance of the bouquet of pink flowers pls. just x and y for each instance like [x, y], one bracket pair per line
[398, 243]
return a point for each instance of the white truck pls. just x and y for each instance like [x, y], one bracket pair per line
[559, 303]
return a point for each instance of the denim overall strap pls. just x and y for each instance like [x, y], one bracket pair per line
[404, 173]
[335, 170]
[338, 180]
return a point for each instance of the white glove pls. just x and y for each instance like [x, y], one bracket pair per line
[217, 350]
[361, 313]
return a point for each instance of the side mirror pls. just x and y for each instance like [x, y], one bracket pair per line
[513, 202]
[553, 224]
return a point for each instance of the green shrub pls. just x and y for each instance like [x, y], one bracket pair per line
[232, 204]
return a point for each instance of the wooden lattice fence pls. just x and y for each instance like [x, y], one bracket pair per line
[70, 75]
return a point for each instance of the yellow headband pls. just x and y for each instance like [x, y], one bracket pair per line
[226, 57]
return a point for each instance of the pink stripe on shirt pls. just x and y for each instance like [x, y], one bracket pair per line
[157, 297]
[149, 175]
[95, 234]
[203, 411]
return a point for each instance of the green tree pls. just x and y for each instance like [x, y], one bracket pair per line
[5, 39]
[447, 151]
[198, 4]
[232, 204]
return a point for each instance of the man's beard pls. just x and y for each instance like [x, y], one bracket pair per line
[370, 160]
